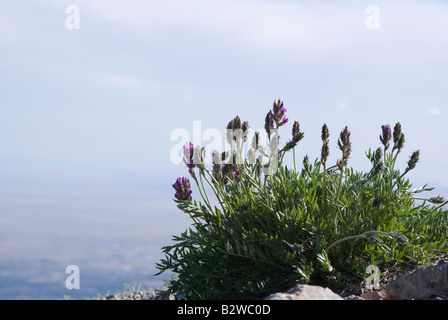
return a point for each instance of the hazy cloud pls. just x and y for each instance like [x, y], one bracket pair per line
[342, 106]
[434, 111]
[124, 81]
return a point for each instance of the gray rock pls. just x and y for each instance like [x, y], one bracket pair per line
[373, 295]
[305, 292]
[423, 283]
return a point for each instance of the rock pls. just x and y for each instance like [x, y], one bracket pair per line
[305, 292]
[423, 283]
[373, 295]
[353, 297]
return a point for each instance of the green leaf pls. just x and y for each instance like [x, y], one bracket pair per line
[325, 262]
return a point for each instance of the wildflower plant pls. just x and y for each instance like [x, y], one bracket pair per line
[271, 227]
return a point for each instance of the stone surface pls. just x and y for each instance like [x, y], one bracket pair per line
[305, 292]
[423, 283]
[373, 295]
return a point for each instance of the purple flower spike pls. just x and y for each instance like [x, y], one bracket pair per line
[188, 157]
[386, 136]
[183, 189]
[278, 113]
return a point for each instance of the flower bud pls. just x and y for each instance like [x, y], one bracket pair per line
[437, 200]
[397, 132]
[269, 123]
[399, 237]
[413, 160]
[325, 151]
[398, 137]
[325, 133]
[306, 161]
[188, 158]
[277, 115]
[256, 140]
[297, 135]
[378, 155]
[183, 189]
[199, 158]
[345, 146]
[387, 134]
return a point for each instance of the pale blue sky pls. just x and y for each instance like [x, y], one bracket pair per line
[90, 111]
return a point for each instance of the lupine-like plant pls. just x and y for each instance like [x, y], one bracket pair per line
[271, 229]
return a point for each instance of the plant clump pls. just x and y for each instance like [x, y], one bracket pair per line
[272, 227]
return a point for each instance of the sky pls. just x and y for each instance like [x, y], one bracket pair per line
[90, 97]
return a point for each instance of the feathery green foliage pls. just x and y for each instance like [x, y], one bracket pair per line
[272, 231]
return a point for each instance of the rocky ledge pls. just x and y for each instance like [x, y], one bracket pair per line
[423, 283]
[430, 282]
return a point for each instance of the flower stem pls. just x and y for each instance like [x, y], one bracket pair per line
[205, 191]
[202, 195]
[339, 186]
[294, 158]
[218, 192]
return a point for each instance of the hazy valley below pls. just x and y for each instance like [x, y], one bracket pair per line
[114, 236]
